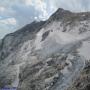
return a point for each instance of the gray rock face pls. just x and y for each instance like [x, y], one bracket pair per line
[83, 81]
[12, 41]
[48, 55]
[45, 35]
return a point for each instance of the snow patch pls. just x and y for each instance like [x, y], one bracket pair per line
[85, 50]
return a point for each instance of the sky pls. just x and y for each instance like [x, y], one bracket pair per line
[14, 14]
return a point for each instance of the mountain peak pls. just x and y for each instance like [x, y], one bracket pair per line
[61, 10]
[60, 14]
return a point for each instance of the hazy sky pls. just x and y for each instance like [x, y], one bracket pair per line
[16, 13]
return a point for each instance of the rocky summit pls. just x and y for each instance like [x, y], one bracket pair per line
[48, 55]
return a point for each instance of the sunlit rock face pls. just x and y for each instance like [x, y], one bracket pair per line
[48, 55]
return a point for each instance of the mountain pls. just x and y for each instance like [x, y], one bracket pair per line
[48, 55]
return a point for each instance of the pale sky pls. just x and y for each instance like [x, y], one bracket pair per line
[16, 13]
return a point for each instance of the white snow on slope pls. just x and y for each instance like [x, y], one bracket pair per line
[61, 37]
[85, 50]
[56, 36]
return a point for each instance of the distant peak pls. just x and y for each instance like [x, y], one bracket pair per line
[60, 14]
[61, 10]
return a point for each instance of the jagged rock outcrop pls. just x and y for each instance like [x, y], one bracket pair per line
[83, 81]
[48, 55]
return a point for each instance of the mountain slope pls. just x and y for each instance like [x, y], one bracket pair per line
[48, 55]
[11, 41]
